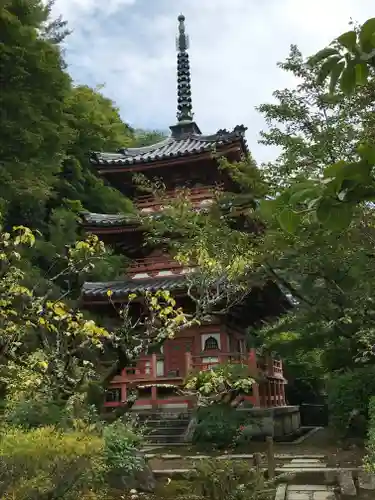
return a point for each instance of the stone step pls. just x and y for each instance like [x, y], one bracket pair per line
[165, 439]
[307, 492]
[298, 472]
[172, 421]
[166, 430]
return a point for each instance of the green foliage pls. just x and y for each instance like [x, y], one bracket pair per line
[221, 380]
[349, 58]
[369, 460]
[350, 391]
[47, 463]
[122, 441]
[219, 425]
[230, 480]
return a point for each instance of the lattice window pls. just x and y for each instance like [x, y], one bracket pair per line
[211, 344]
[113, 395]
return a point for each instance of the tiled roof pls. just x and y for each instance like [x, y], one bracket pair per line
[172, 147]
[119, 289]
[109, 220]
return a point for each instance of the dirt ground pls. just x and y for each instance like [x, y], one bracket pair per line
[322, 443]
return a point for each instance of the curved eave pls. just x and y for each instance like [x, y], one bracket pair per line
[120, 290]
[170, 151]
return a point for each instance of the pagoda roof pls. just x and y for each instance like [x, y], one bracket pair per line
[109, 220]
[177, 146]
[120, 289]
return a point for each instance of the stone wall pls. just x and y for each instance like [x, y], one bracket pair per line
[278, 422]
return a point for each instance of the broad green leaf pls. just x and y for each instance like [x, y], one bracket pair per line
[335, 75]
[289, 220]
[367, 152]
[322, 54]
[361, 73]
[348, 79]
[304, 195]
[348, 40]
[267, 208]
[327, 67]
[334, 215]
[332, 170]
[366, 33]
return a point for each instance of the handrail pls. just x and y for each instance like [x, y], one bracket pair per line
[155, 263]
[194, 194]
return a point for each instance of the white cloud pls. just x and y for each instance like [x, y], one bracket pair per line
[129, 46]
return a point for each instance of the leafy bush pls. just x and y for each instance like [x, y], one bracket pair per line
[369, 460]
[219, 425]
[230, 480]
[348, 391]
[47, 463]
[122, 441]
[221, 379]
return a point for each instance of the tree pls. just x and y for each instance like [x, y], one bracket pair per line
[311, 126]
[345, 184]
[33, 133]
[50, 350]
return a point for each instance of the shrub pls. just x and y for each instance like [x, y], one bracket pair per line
[122, 441]
[47, 463]
[219, 425]
[369, 460]
[230, 480]
[348, 391]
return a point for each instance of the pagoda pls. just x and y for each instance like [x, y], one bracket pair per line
[183, 160]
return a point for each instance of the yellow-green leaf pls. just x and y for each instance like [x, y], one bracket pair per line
[361, 73]
[288, 220]
[327, 68]
[348, 79]
[348, 40]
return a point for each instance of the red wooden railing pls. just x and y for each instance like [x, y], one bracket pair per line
[267, 393]
[195, 195]
[154, 264]
[197, 363]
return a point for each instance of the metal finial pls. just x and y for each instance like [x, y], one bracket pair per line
[184, 105]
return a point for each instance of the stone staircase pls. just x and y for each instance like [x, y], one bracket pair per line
[164, 428]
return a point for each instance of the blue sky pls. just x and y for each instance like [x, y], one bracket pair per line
[129, 46]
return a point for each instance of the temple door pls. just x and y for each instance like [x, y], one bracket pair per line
[174, 356]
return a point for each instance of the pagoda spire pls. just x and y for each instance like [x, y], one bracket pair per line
[185, 124]
[184, 104]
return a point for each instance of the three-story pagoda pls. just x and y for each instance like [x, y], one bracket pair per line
[183, 160]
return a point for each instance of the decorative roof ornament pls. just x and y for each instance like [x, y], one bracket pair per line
[184, 103]
[185, 124]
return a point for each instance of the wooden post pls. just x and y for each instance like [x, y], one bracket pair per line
[256, 395]
[188, 362]
[252, 362]
[257, 458]
[153, 366]
[270, 457]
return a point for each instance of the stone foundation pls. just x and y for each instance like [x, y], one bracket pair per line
[278, 422]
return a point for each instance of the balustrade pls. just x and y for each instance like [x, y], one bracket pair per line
[195, 195]
[154, 264]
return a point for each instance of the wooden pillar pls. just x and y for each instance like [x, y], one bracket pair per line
[269, 394]
[124, 394]
[273, 387]
[256, 394]
[153, 366]
[154, 396]
[188, 362]
[252, 362]
[270, 368]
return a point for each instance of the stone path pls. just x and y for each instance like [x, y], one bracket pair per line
[307, 492]
[304, 491]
